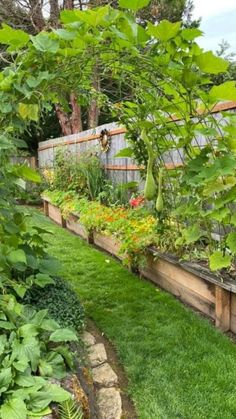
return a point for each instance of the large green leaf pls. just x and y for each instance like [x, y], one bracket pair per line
[225, 91]
[43, 279]
[191, 234]
[231, 241]
[209, 63]
[28, 111]
[125, 152]
[218, 260]
[15, 38]
[16, 256]
[91, 17]
[45, 43]
[28, 174]
[191, 33]
[164, 31]
[14, 408]
[27, 349]
[44, 397]
[5, 379]
[63, 335]
[133, 4]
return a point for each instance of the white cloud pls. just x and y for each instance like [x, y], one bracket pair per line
[209, 8]
[218, 22]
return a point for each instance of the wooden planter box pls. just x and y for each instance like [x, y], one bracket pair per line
[73, 224]
[53, 212]
[201, 289]
[196, 287]
[108, 243]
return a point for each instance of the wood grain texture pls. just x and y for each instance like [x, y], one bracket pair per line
[108, 243]
[55, 214]
[222, 317]
[182, 277]
[185, 294]
[73, 224]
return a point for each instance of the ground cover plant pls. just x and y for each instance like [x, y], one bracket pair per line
[61, 302]
[178, 365]
[134, 228]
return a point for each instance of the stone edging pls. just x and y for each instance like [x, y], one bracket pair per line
[105, 379]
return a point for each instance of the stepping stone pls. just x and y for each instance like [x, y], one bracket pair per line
[97, 354]
[109, 403]
[103, 375]
[88, 339]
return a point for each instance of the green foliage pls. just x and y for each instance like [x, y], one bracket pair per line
[168, 75]
[61, 302]
[83, 175]
[28, 359]
[134, 4]
[70, 410]
[184, 355]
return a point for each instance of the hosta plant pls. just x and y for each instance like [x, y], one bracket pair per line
[33, 349]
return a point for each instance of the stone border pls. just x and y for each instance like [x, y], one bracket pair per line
[105, 379]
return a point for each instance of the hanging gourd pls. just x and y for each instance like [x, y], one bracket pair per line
[150, 184]
[159, 201]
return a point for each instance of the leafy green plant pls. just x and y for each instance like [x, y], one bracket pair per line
[33, 349]
[61, 302]
[69, 409]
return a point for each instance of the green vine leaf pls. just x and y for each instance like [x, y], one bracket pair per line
[15, 38]
[191, 34]
[218, 260]
[125, 152]
[44, 43]
[133, 4]
[28, 111]
[231, 241]
[164, 31]
[209, 63]
[191, 234]
[225, 91]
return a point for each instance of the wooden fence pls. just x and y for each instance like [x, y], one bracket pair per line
[120, 170]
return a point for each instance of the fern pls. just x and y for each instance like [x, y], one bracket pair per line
[70, 410]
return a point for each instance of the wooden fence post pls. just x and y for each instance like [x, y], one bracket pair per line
[222, 308]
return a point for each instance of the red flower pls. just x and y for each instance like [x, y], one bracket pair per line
[136, 202]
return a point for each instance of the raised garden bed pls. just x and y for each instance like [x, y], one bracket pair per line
[189, 282]
[73, 224]
[53, 212]
[108, 243]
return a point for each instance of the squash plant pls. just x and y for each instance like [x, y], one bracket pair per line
[171, 98]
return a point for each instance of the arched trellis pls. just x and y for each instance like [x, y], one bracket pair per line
[169, 95]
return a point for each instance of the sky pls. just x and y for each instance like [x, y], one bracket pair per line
[218, 22]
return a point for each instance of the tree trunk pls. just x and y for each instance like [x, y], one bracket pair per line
[68, 4]
[64, 120]
[54, 13]
[70, 123]
[75, 119]
[93, 112]
[36, 15]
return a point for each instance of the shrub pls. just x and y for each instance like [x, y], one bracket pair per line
[61, 302]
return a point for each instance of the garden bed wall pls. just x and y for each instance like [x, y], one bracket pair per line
[190, 283]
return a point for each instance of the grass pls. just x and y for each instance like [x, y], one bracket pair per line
[178, 365]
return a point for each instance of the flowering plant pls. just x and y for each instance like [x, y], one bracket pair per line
[136, 202]
[135, 229]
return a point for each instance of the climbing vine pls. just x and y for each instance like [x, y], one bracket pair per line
[168, 111]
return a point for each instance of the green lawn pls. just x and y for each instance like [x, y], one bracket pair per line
[178, 365]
